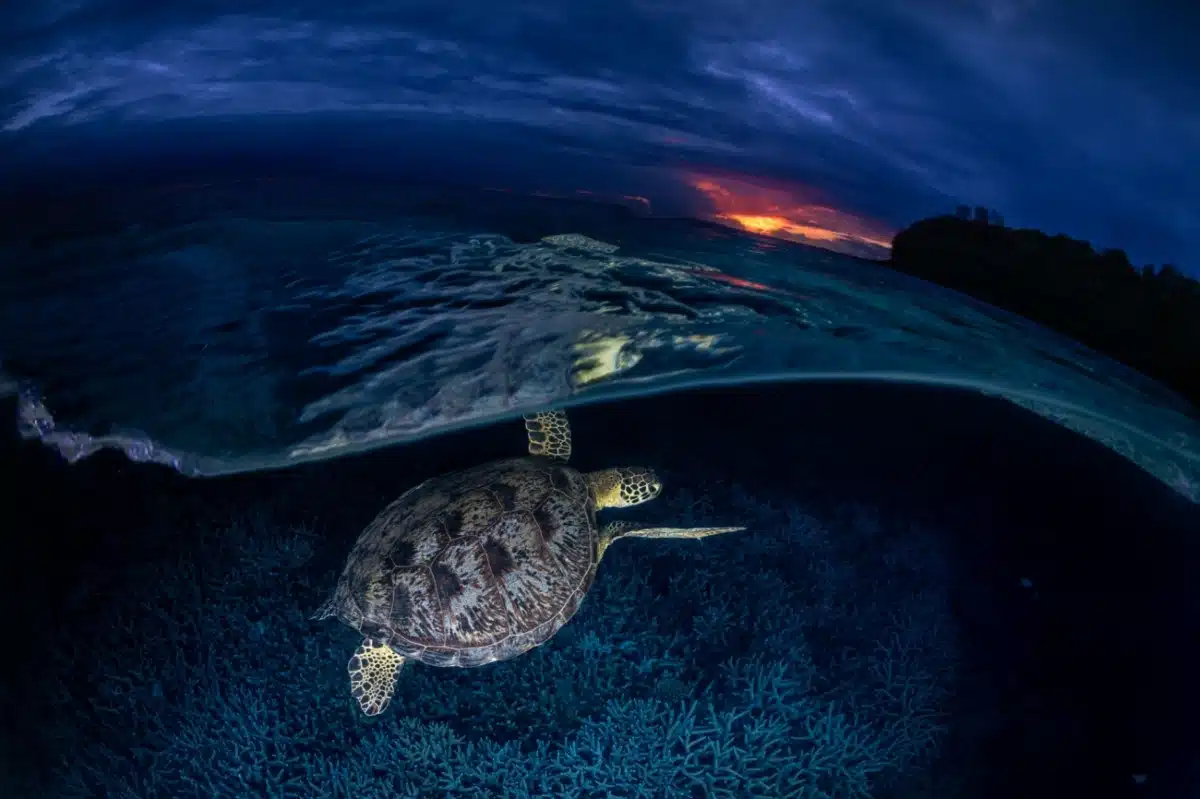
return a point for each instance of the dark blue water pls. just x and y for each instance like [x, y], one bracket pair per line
[939, 595]
[967, 569]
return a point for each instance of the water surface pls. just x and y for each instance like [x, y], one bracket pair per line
[238, 328]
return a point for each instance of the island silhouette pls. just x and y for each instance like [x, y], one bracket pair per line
[1147, 318]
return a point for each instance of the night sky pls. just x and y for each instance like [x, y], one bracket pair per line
[835, 121]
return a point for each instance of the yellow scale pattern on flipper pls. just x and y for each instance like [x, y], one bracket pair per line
[373, 670]
[549, 434]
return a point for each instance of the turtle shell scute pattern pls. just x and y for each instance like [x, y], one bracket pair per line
[475, 566]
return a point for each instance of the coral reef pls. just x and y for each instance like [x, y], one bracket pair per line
[808, 657]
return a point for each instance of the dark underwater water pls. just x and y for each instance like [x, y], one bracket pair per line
[940, 594]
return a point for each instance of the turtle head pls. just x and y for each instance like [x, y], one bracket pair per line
[620, 488]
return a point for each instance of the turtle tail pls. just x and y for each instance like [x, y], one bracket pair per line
[328, 608]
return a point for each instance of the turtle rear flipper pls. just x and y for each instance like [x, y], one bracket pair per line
[549, 434]
[373, 670]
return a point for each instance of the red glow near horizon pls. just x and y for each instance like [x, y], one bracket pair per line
[777, 211]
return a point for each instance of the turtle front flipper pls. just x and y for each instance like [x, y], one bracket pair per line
[614, 530]
[549, 434]
[373, 670]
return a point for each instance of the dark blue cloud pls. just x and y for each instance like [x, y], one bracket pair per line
[1068, 116]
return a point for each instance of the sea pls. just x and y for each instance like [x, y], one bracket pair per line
[967, 569]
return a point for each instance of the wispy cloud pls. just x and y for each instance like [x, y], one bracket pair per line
[1056, 114]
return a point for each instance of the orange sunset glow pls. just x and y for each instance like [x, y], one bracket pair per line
[778, 211]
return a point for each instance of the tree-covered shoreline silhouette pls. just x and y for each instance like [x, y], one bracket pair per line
[1147, 318]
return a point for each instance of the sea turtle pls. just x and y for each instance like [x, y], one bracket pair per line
[483, 564]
